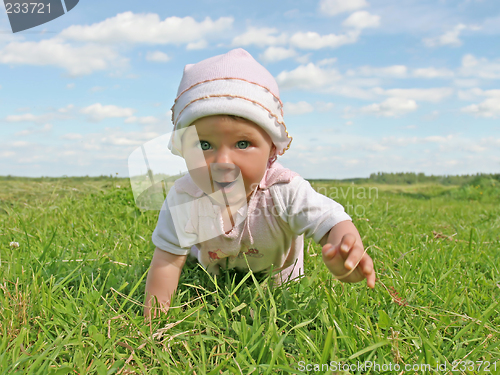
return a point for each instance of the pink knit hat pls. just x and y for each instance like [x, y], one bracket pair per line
[229, 84]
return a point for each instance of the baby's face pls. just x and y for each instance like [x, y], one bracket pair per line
[232, 149]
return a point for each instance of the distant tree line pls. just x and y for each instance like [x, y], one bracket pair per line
[408, 178]
[400, 178]
[69, 178]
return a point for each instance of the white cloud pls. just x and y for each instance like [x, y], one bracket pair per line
[157, 56]
[200, 44]
[20, 144]
[490, 108]
[391, 107]
[432, 73]
[273, 54]
[304, 59]
[362, 20]
[146, 120]
[429, 95]
[323, 78]
[435, 152]
[377, 147]
[315, 41]
[476, 93]
[116, 137]
[7, 37]
[297, 108]
[70, 86]
[97, 89]
[98, 112]
[480, 68]
[66, 109]
[324, 106]
[7, 154]
[432, 116]
[260, 37]
[76, 61]
[440, 145]
[450, 38]
[334, 7]
[147, 28]
[123, 141]
[466, 82]
[437, 138]
[307, 77]
[475, 148]
[394, 71]
[96, 153]
[393, 141]
[59, 114]
[327, 62]
[454, 143]
[28, 117]
[47, 128]
[72, 136]
[351, 90]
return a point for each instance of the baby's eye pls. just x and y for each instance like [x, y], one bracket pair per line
[204, 145]
[243, 144]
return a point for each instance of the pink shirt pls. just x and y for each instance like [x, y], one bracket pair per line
[281, 212]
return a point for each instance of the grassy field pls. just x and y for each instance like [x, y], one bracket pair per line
[71, 293]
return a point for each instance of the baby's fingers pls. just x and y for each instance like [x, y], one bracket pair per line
[346, 244]
[366, 266]
[354, 257]
[329, 251]
[332, 259]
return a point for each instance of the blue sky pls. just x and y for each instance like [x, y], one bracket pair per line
[368, 85]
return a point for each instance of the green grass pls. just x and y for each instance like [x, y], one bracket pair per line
[71, 294]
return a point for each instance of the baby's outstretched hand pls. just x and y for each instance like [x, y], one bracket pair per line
[348, 261]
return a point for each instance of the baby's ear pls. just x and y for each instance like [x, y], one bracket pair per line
[273, 151]
[272, 156]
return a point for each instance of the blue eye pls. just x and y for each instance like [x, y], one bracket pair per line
[242, 144]
[204, 145]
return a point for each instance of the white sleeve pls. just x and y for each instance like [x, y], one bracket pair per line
[305, 210]
[164, 235]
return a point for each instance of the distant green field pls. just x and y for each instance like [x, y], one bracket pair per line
[71, 293]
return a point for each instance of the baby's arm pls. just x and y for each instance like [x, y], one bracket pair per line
[162, 280]
[342, 249]
[306, 211]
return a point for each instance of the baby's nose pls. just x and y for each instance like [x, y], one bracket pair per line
[224, 172]
[222, 167]
[222, 156]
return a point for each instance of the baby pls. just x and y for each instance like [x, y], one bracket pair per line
[238, 207]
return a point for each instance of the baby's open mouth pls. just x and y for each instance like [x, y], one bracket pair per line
[225, 184]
